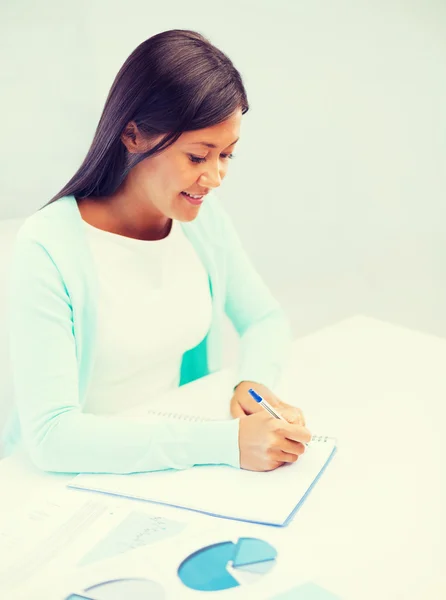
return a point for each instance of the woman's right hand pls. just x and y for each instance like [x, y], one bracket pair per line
[266, 443]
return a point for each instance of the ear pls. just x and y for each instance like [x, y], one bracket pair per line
[133, 139]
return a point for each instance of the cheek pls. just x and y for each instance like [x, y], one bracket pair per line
[172, 175]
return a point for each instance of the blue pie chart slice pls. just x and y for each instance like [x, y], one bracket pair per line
[251, 550]
[206, 569]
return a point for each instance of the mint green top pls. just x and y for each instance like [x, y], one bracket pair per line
[53, 304]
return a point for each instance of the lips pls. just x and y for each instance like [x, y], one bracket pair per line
[193, 201]
[197, 193]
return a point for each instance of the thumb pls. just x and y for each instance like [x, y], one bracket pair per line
[295, 416]
[291, 414]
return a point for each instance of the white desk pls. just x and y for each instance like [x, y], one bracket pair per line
[374, 525]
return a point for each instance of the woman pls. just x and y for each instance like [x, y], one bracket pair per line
[121, 282]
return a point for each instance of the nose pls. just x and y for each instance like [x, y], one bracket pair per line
[212, 177]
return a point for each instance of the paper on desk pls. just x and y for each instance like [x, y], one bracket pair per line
[35, 534]
[307, 591]
[135, 530]
[67, 528]
[78, 583]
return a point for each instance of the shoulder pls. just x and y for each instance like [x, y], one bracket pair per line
[50, 242]
[50, 222]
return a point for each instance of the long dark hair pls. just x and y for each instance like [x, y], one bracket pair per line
[173, 82]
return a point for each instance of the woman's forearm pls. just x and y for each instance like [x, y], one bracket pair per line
[84, 443]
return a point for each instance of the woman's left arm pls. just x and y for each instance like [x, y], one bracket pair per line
[263, 327]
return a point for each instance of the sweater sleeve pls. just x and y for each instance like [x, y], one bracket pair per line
[265, 335]
[58, 435]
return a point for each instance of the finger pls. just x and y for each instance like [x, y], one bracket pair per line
[274, 465]
[284, 457]
[236, 410]
[293, 416]
[302, 418]
[297, 417]
[293, 432]
[247, 407]
[292, 447]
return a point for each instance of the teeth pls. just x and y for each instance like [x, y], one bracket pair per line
[190, 196]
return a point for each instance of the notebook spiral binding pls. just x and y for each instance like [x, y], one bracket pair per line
[320, 438]
[179, 416]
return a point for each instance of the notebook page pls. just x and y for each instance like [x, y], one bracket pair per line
[267, 497]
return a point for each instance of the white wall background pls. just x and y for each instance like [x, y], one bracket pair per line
[338, 189]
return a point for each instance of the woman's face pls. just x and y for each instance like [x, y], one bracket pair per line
[196, 163]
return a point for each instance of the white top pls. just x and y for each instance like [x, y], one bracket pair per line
[154, 304]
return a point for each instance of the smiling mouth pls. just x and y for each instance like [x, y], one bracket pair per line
[195, 201]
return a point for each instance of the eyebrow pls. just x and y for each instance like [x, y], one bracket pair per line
[209, 145]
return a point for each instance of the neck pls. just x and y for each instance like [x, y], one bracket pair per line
[125, 216]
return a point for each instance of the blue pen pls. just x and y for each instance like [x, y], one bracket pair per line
[258, 398]
[267, 406]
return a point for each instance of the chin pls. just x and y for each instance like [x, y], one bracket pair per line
[186, 212]
[187, 216]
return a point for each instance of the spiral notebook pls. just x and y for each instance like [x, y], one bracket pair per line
[269, 498]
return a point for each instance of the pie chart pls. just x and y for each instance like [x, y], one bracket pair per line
[227, 565]
[133, 589]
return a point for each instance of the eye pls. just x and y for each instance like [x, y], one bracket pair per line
[201, 159]
[196, 159]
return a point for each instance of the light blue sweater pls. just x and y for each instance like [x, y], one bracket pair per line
[53, 304]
